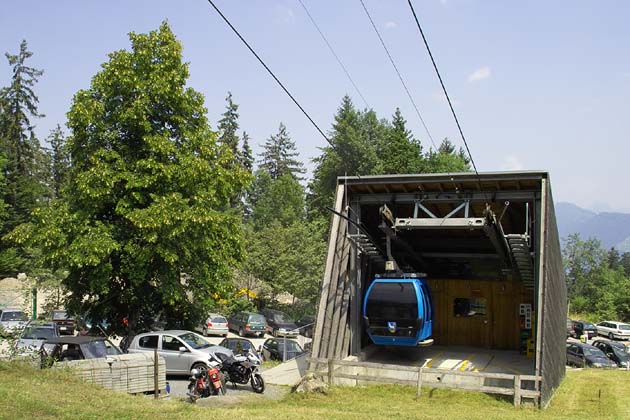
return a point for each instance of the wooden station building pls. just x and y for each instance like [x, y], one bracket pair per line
[488, 243]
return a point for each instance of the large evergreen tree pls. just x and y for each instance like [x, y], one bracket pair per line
[279, 156]
[144, 231]
[60, 160]
[402, 154]
[25, 168]
[228, 126]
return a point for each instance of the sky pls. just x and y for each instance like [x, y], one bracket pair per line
[537, 85]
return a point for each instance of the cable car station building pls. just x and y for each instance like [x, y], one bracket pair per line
[489, 247]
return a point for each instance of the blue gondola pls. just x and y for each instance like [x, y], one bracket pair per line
[398, 311]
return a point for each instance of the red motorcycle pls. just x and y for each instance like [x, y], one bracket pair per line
[206, 382]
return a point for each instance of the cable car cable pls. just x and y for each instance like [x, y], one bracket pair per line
[345, 70]
[272, 74]
[402, 81]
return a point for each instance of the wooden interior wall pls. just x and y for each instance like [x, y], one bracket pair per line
[499, 328]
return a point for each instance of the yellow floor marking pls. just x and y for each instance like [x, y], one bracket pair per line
[465, 362]
[429, 362]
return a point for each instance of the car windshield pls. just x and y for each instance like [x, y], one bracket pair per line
[593, 351]
[59, 315]
[624, 327]
[38, 333]
[237, 345]
[284, 318]
[194, 341]
[14, 316]
[257, 318]
[589, 326]
[292, 346]
[219, 320]
[94, 349]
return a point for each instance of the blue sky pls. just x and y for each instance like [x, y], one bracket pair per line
[537, 85]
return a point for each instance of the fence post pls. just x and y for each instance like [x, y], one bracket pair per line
[331, 370]
[156, 391]
[517, 390]
[419, 384]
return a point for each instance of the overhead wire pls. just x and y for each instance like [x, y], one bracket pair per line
[272, 74]
[402, 81]
[345, 70]
[448, 99]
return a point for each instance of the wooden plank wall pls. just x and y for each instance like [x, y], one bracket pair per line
[331, 336]
[498, 329]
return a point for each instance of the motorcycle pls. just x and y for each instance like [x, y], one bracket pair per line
[206, 382]
[241, 369]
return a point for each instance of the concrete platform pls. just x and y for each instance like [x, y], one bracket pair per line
[461, 358]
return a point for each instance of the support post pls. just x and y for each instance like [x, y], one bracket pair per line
[517, 390]
[156, 391]
[331, 371]
[419, 383]
[34, 301]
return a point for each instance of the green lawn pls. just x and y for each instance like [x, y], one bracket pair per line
[27, 393]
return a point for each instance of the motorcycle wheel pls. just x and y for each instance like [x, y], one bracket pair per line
[193, 394]
[258, 384]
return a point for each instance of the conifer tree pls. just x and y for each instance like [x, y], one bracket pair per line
[279, 156]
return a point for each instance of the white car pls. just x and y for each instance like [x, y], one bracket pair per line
[12, 321]
[614, 329]
[216, 324]
[182, 350]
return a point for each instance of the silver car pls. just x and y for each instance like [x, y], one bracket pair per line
[182, 350]
[34, 335]
[12, 321]
[216, 324]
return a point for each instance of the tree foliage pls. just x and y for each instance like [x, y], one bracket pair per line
[597, 282]
[25, 166]
[279, 156]
[145, 231]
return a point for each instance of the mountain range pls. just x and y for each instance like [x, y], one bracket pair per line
[612, 229]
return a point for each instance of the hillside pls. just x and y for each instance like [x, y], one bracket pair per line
[612, 229]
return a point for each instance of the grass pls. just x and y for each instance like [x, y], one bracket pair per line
[27, 393]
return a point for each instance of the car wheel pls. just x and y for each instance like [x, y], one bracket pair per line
[199, 366]
[611, 336]
[241, 332]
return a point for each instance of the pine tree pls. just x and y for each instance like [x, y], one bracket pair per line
[25, 167]
[279, 156]
[403, 153]
[228, 126]
[247, 157]
[60, 160]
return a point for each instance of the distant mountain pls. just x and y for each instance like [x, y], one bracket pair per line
[612, 229]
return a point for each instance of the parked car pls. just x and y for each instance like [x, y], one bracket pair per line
[238, 345]
[182, 350]
[64, 322]
[570, 330]
[12, 321]
[34, 335]
[585, 355]
[273, 349]
[583, 327]
[280, 324]
[614, 351]
[68, 348]
[614, 329]
[245, 323]
[215, 324]
[307, 325]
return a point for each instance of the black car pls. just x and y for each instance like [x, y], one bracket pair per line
[273, 349]
[585, 355]
[280, 324]
[615, 351]
[238, 345]
[584, 328]
[307, 325]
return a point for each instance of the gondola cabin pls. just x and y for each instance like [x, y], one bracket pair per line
[398, 311]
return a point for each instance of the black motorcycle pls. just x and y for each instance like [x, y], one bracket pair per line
[241, 369]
